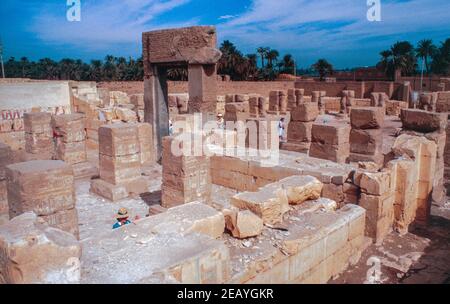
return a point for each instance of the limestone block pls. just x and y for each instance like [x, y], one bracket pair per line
[334, 192]
[367, 118]
[423, 121]
[45, 187]
[378, 183]
[299, 188]
[118, 139]
[330, 134]
[38, 123]
[305, 112]
[243, 224]
[33, 253]
[335, 153]
[69, 127]
[369, 141]
[107, 190]
[5, 158]
[299, 131]
[145, 135]
[71, 152]
[119, 169]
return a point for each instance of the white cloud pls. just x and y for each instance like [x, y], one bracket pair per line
[226, 17]
[332, 27]
[105, 23]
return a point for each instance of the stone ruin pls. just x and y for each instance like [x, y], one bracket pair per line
[351, 172]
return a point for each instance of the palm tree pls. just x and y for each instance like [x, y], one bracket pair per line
[272, 56]
[323, 67]
[262, 51]
[441, 60]
[288, 64]
[425, 50]
[404, 58]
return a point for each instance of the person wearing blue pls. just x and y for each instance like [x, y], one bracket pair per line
[122, 218]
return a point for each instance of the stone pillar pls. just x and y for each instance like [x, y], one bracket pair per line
[146, 146]
[330, 141]
[157, 105]
[300, 126]
[5, 159]
[70, 133]
[275, 102]
[33, 253]
[119, 162]
[366, 135]
[39, 135]
[294, 98]
[185, 179]
[202, 89]
[45, 187]
[432, 126]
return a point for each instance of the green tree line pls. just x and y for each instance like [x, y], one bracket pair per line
[265, 64]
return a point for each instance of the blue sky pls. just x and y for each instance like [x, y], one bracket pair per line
[337, 30]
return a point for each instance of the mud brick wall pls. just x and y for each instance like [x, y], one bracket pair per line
[45, 187]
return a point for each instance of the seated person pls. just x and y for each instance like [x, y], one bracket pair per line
[122, 218]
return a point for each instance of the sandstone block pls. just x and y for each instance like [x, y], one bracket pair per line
[118, 139]
[305, 112]
[243, 224]
[330, 134]
[423, 121]
[378, 183]
[38, 123]
[299, 131]
[336, 153]
[369, 141]
[116, 170]
[367, 118]
[33, 253]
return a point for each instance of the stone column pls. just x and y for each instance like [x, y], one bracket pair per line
[202, 89]
[39, 135]
[299, 129]
[119, 163]
[45, 187]
[185, 178]
[70, 135]
[366, 135]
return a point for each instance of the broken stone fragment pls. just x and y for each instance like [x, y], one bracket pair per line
[300, 188]
[243, 224]
[33, 253]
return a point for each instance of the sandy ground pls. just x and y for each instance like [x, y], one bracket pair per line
[420, 257]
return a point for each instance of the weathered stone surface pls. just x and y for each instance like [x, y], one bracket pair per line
[335, 153]
[31, 253]
[5, 158]
[119, 169]
[162, 258]
[423, 121]
[330, 134]
[367, 118]
[305, 112]
[243, 224]
[38, 122]
[299, 188]
[44, 187]
[69, 127]
[145, 135]
[118, 139]
[368, 141]
[299, 131]
[107, 190]
[378, 183]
